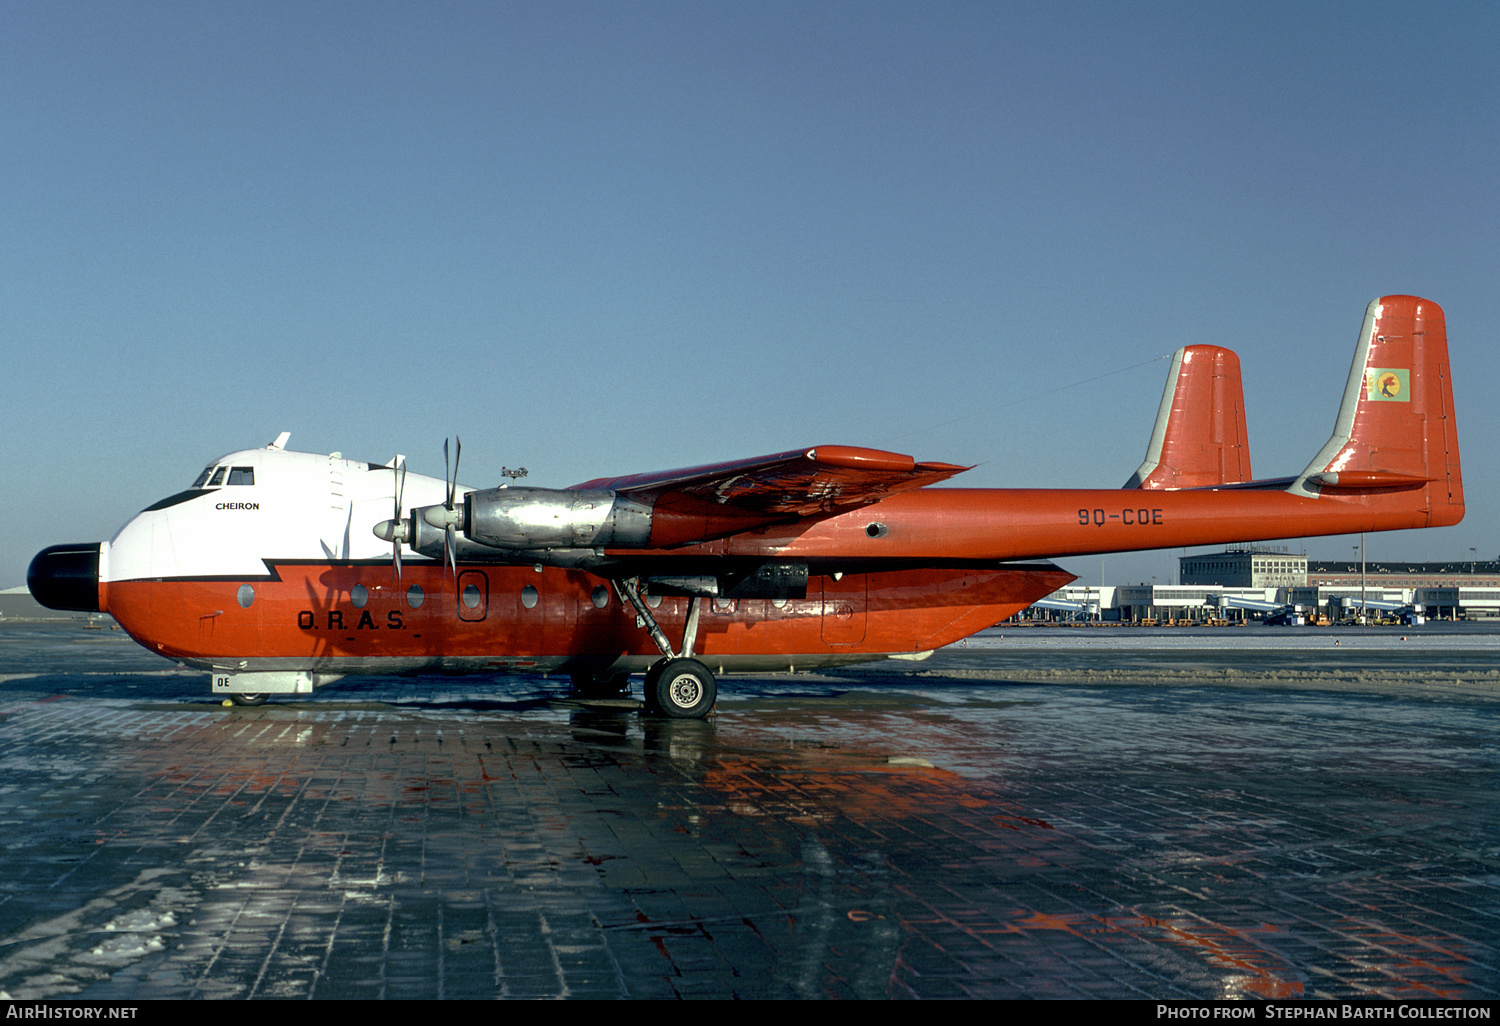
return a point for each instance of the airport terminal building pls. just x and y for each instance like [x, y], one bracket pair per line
[1247, 567]
[1232, 585]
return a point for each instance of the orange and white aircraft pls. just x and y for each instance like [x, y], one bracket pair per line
[280, 571]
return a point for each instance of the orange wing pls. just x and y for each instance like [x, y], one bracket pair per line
[718, 499]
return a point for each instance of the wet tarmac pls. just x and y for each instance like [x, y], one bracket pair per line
[1051, 814]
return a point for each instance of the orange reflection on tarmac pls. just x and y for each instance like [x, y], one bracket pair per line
[1393, 945]
[1232, 948]
[824, 786]
[1236, 949]
[852, 787]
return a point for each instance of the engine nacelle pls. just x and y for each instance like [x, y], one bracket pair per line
[549, 518]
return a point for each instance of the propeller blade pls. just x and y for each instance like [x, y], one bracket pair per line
[458, 454]
[399, 469]
[450, 544]
[452, 479]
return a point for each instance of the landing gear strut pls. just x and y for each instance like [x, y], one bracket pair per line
[677, 686]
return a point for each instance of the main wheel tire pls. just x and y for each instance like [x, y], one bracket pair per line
[250, 699]
[648, 689]
[681, 689]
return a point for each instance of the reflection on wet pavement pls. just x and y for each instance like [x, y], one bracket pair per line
[861, 835]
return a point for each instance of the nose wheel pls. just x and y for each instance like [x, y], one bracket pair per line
[680, 689]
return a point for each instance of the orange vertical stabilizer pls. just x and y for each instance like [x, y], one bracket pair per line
[1395, 430]
[1199, 439]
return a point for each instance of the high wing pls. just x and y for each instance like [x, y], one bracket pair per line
[714, 501]
[573, 526]
[816, 482]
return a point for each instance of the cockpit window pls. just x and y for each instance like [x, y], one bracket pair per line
[203, 477]
[242, 475]
[218, 477]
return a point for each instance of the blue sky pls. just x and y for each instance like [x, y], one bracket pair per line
[605, 238]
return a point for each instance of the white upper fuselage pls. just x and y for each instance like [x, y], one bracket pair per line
[259, 504]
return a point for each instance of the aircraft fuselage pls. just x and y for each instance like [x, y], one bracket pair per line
[285, 573]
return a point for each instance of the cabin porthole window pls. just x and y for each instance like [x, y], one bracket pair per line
[875, 530]
[414, 596]
[600, 597]
[359, 596]
[471, 596]
[245, 596]
[529, 596]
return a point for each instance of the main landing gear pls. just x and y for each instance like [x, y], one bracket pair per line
[677, 685]
[680, 688]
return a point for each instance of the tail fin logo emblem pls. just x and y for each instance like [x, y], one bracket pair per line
[1384, 384]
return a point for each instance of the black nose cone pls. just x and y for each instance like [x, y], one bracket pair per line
[66, 577]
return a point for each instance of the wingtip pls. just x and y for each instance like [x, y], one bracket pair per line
[854, 457]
